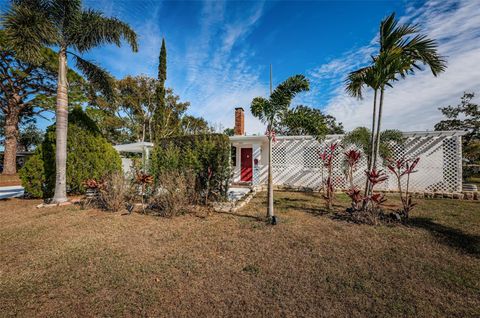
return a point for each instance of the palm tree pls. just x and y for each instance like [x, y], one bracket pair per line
[270, 111]
[361, 138]
[31, 24]
[374, 76]
[355, 82]
[401, 51]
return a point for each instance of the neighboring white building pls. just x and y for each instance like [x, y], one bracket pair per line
[296, 161]
[141, 147]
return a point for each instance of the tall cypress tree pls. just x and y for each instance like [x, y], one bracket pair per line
[162, 65]
[162, 77]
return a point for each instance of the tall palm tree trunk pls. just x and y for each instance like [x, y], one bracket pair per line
[372, 140]
[61, 130]
[270, 179]
[372, 137]
[379, 122]
[11, 138]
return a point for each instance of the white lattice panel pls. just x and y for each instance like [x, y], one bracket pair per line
[296, 163]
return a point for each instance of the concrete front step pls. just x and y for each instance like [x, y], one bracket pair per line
[237, 193]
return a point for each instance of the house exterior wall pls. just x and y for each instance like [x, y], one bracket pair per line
[259, 154]
[237, 168]
[296, 162]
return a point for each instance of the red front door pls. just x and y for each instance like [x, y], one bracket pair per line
[246, 165]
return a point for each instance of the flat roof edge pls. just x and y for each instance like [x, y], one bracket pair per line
[449, 133]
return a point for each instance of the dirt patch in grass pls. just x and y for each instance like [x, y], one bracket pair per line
[72, 262]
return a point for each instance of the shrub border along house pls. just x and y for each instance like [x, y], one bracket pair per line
[206, 155]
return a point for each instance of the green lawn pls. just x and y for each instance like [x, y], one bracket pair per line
[75, 263]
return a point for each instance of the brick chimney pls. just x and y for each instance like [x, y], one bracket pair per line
[239, 129]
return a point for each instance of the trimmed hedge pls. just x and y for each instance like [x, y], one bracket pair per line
[207, 155]
[89, 155]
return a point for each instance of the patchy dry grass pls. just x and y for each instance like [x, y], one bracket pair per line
[71, 262]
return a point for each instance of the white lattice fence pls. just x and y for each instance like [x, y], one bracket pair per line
[296, 163]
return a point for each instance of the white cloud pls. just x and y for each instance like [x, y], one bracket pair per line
[413, 103]
[219, 77]
[212, 72]
[221, 108]
[121, 61]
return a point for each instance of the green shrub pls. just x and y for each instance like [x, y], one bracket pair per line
[89, 156]
[33, 175]
[471, 171]
[207, 155]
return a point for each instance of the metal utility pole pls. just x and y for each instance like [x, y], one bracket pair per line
[270, 215]
[270, 79]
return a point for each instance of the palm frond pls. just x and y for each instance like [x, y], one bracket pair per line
[423, 49]
[286, 91]
[392, 135]
[271, 111]
[96, 75]
[388, 138]
[402, 31]
[386, 27]
[356, 80]
[359, 137]
[259, 108]
[94, 29]
[65, 13]
[28, 29]
[412, 46]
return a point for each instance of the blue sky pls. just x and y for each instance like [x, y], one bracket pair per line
[219, 53]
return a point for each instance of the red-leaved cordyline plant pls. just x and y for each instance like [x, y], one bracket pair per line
[400, 168]
[356, 197]
[92, 184]
[376, 177]
[351, 158]
[327, 158]
[374, 200]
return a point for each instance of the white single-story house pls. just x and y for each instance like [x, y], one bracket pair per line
[296, 162]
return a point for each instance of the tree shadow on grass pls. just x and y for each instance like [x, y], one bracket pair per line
[299, 204]
[316, 211]
[253, 217]
[468, 243]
